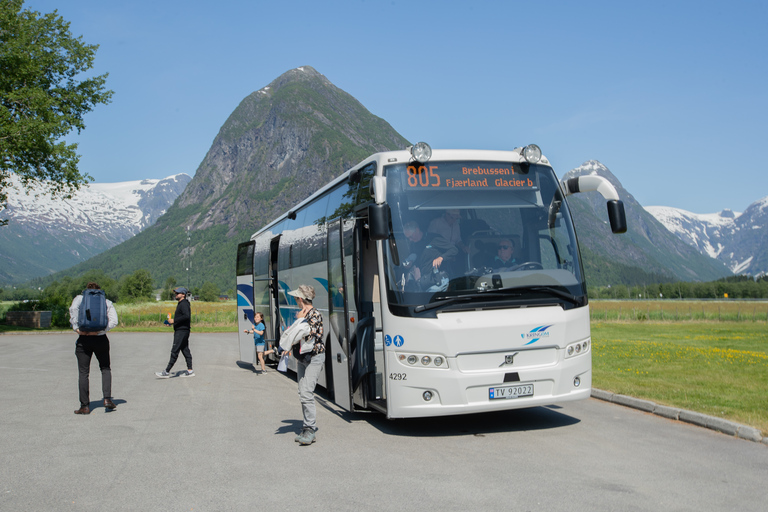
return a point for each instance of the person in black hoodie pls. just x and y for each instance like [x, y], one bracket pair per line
[430, 253]
[180, 321]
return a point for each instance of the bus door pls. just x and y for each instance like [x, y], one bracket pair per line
[272, 320]
[340, 234]
[245, 300]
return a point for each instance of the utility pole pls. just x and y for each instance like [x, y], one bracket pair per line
[189, 260]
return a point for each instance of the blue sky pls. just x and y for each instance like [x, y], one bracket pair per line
[672, 96]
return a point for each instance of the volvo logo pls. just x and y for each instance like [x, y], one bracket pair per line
[509, 359]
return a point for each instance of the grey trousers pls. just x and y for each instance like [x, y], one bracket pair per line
[308, 374]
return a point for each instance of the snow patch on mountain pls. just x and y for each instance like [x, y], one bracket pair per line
[115, 211]
[735, 238]
[706, 232]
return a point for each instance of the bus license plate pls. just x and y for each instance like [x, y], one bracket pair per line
[504, 392]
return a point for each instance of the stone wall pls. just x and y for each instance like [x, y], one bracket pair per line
[37, 319]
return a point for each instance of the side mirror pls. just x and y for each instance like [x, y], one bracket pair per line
[617, 217]
[378, 221]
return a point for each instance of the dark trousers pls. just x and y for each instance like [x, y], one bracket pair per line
[180, 344]
[86, 347]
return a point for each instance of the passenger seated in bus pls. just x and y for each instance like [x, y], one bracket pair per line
[505, 255]
[448, 226]
[428, 253]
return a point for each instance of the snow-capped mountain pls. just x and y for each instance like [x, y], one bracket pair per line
[44, 234]
[646, 252]
[740, 240]
[110, 210]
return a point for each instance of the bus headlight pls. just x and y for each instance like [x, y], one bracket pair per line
[532, 153]
[421, 152]
[426, 360]
[576, 349]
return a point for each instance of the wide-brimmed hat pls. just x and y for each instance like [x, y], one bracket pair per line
[303, 292]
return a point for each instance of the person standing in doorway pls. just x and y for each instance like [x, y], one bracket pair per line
[310, 361]
[88, 344]
[447, 226]
[258, 339]
[181, 326]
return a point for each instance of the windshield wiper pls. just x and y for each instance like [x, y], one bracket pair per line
[498, 293]
[548, 289]
[444, 301]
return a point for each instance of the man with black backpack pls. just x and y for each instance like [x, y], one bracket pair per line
[91, 316]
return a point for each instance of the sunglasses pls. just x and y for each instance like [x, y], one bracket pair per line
[505, 247]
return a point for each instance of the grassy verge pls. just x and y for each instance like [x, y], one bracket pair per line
[716, 368]
[678, 310]
[149, 316]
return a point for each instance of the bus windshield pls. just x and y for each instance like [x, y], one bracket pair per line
[471, 232]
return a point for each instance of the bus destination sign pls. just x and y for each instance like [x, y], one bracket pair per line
[470, 175]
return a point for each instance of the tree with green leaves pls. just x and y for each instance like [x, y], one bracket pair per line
[170, 284]
[137, 286]
[43, 97]
[209, 292]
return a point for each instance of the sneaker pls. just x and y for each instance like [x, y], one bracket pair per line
[163, 374]
[301, 434]
[188, 373]
[307, 437]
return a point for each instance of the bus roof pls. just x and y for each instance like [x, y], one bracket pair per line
[404, 155]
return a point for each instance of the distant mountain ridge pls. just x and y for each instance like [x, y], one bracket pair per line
[648, 252]
[739, 240]
[46, 235]
[287, 139]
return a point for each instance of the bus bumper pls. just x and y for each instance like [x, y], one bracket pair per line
[457, 392]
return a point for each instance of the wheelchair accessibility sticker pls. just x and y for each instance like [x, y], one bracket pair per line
[398, 340]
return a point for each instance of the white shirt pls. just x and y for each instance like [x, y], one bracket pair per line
[74, 315]
[451, 232]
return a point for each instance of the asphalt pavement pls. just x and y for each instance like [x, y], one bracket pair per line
[224, 440]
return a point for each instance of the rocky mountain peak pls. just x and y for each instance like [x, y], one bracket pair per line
[727, 214]
[280, 144]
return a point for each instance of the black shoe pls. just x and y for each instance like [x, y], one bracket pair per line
[109, 404]
[83, 410]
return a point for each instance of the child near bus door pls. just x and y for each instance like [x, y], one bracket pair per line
[258, 339]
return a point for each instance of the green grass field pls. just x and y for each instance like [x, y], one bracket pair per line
[679, 310]
[149, 316]
[716, 368]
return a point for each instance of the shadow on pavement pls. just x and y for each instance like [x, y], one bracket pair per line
[518, 420]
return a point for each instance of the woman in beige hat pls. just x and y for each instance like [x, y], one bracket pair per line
[310, 363]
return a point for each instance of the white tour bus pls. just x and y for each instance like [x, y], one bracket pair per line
[423, 313]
